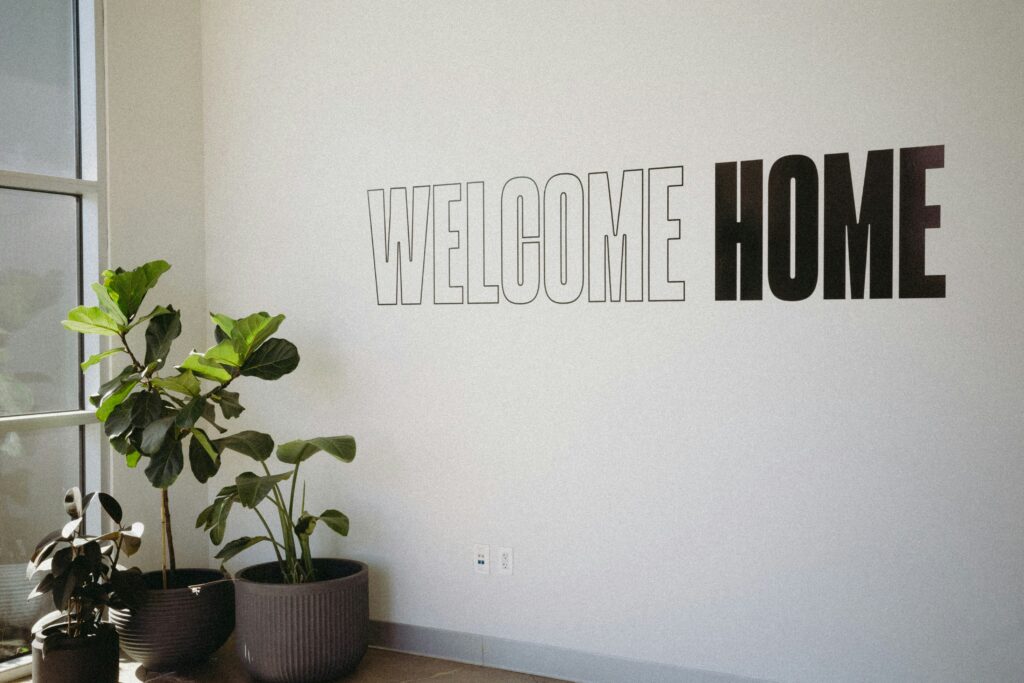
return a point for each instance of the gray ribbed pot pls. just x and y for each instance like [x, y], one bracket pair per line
[179, 626]
[302, 633]
[59, 659]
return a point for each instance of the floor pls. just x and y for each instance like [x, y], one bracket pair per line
[378, 666]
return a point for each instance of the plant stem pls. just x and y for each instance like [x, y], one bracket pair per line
[168, 535]
[271, 534]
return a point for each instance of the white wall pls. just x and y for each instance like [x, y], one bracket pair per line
[155, 207]
[824, 490]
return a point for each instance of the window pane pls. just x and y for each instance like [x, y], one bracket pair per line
[38, 286]
[36, 468]
[37, 87]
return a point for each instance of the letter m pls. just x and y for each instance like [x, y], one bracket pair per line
[615, 249]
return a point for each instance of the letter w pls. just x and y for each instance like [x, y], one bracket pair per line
[399, 243]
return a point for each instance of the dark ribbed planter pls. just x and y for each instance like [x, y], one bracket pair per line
[302, 633]
[182, 625]
[59, 659]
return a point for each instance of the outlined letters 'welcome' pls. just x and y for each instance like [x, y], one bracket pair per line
[566, 241]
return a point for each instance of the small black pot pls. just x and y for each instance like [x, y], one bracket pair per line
[56, 658]
[179, 626]
[302, 633]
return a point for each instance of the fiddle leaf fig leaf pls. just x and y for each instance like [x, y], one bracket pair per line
[252, 330]
[155, 434]
[129, 288]
[120, 419]
[91, 320]
[188, 415]
[205, 368]
[184, 383]
[256, 445]
[132, 458]
[232, 548]
[108, 305]
[147, 408]
[223, 326]
[274, 359]
[229, 404]
[336, 521]
[224, 353]
[114, 400]
[165, 465]
[202, 459]
[341, 447]
[96, 358]
[160, 334]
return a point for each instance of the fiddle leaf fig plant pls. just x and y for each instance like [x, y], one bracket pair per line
[148, 416]
[295, 525]
[81, 573]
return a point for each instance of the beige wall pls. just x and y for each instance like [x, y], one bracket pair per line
[155, 208]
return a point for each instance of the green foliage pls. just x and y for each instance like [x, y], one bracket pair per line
[251, 490]
[81, 573]
[149, 416]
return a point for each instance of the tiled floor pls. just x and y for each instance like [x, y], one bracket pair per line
[379, 666]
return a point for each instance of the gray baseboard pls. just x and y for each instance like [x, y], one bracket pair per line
[531, 658]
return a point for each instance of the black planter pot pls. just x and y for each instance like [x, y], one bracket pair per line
[302, 633]
[59, 659]
[179, 626]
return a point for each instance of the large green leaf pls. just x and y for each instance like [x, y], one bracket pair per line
[147, 408]
[203, 464]
[204, 368]
[132, 458]
[129, 288]
[165, 465]
[228, 401]
[219, 519]
[114, 400]
[223, 326]
[91, 320]
[337, 521]
[184, 383]
[96, 358]
[188, 415]
[224, 353]
[160, 334]
[108, 305]
[256, 445]
[274, 359]
[155, 434]
[341, 447]
[120, 419]
[232, 548]
[253, 330]
[252, 488]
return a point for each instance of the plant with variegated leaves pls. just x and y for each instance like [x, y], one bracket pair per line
[148, 416]
[251, 490]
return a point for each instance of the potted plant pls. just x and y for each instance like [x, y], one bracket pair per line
[148, 418]
[299, 618]
[82, 575]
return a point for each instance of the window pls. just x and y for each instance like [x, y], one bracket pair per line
[51, 241]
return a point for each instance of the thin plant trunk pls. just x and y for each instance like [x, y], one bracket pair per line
[167, 537]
